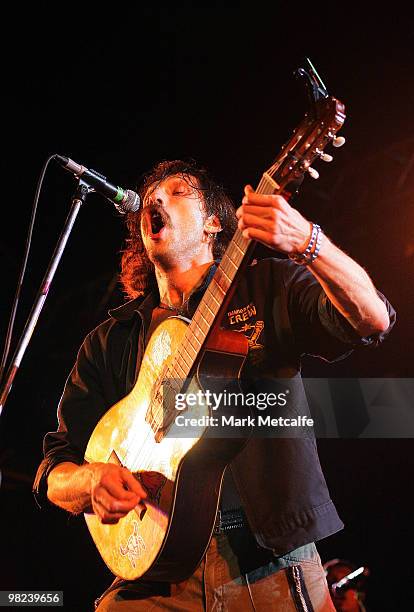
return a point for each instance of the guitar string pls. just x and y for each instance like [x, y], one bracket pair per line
[155, 422]
[179, 358]
[157, 407]
[172, 369]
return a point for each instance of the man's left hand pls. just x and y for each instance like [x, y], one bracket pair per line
[271, 220]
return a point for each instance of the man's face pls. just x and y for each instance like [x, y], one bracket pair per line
[173, 221]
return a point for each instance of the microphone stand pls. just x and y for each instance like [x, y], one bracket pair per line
[78, 199]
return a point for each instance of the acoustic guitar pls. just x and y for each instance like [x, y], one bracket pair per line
[166, 536]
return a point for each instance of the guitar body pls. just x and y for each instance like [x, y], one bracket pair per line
[166, 537]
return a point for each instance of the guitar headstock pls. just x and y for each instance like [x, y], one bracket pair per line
[317, 130]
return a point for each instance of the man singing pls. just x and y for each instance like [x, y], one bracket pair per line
[274, 502]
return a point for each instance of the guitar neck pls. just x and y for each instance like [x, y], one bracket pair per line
[307, 143]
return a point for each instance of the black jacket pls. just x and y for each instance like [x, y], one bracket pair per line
[284, 312]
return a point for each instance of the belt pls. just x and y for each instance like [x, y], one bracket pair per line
[229, 519]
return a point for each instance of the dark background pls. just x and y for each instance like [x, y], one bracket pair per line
[121, 89]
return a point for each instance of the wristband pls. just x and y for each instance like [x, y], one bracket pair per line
[312, 249]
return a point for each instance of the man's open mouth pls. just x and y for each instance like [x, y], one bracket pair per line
[157, 222]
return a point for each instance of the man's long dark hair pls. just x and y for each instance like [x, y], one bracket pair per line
[137, 271]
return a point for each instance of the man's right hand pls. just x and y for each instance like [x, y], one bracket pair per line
[107, 489]
[114, 491]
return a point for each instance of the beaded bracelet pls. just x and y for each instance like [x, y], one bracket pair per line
[312, 250]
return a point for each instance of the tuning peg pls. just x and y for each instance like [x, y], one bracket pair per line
[314, 173]
[326, 157]
[338, 141]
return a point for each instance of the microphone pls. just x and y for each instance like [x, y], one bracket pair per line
[125, 200]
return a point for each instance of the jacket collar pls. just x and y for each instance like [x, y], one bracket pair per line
[127, 311]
